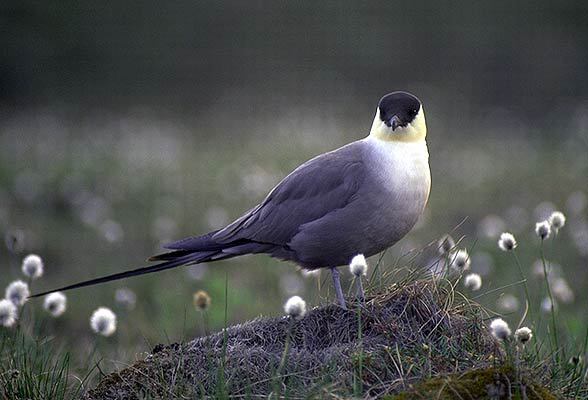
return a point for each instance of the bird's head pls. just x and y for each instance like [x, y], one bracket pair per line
[399, 117]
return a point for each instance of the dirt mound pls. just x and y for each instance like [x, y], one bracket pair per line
[407, 333]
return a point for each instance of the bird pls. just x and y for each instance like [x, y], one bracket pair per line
[361, 198]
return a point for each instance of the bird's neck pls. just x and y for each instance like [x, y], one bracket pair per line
[416, 131]
[406, 150]
[401, 166]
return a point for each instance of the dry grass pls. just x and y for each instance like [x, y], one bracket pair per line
[409, 332]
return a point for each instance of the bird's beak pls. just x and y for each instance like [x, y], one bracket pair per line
[394, 122]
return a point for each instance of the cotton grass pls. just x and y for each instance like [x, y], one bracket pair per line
[461, 260]
[508, 303]
[557, 219]
[473, 282]
[8, 313]
[201, 300]
[552, 269]
[547, 305]
[445, 244]
[32, 266]
[126, 298]
[543, 230]
[562, 291]
[103, 321]
[358, 266]
[295, 307]
[55, 304]
[507, 242]
[17, 292]
[523, 335]
[500, 329]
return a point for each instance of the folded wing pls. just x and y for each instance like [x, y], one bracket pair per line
[318, 187]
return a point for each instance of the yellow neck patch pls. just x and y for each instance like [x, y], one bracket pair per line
[413, 132]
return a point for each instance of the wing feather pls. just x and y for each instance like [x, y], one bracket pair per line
[320, 186]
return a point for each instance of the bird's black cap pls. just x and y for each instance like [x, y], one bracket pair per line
[398, 109]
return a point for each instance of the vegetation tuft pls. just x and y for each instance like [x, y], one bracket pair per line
[409, 332]
[36, 369]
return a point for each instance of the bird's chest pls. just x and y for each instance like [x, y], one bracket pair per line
[402, 178]
[402, 172]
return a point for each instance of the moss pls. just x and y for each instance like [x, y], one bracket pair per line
[484, 383]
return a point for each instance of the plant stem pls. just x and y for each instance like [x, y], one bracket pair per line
[286, 346]
[284, 356]
[447, 265]
[204, 315]
[377, 269]
[358, 387]
[553, 323]
[528, 307]
[221, 385]
[360, 293]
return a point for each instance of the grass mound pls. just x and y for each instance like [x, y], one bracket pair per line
[405, 334]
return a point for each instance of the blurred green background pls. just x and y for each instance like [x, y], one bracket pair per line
[124, 125]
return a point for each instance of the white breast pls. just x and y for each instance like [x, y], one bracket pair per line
[401, 167]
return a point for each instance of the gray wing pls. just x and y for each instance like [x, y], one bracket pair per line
[316, 188]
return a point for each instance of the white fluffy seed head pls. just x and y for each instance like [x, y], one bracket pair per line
[7, 313]
[473, 282]
[461, 260]
[508, 303]
[557, 219]
[445, 244]
[551, 269]
[55, 304]
[543, 229]
[562, 291]
[546, 305]
[32, 266]
[17, 292]
[103, 321]
[507, 242]
[523, 335]
[201, 300]
[358, 265]
[295, 307]
[126, 298]
[499, 329]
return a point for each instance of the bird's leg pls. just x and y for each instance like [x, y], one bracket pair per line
[338, 290]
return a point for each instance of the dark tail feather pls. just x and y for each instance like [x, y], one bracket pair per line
[185, 259]
[170, 255]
